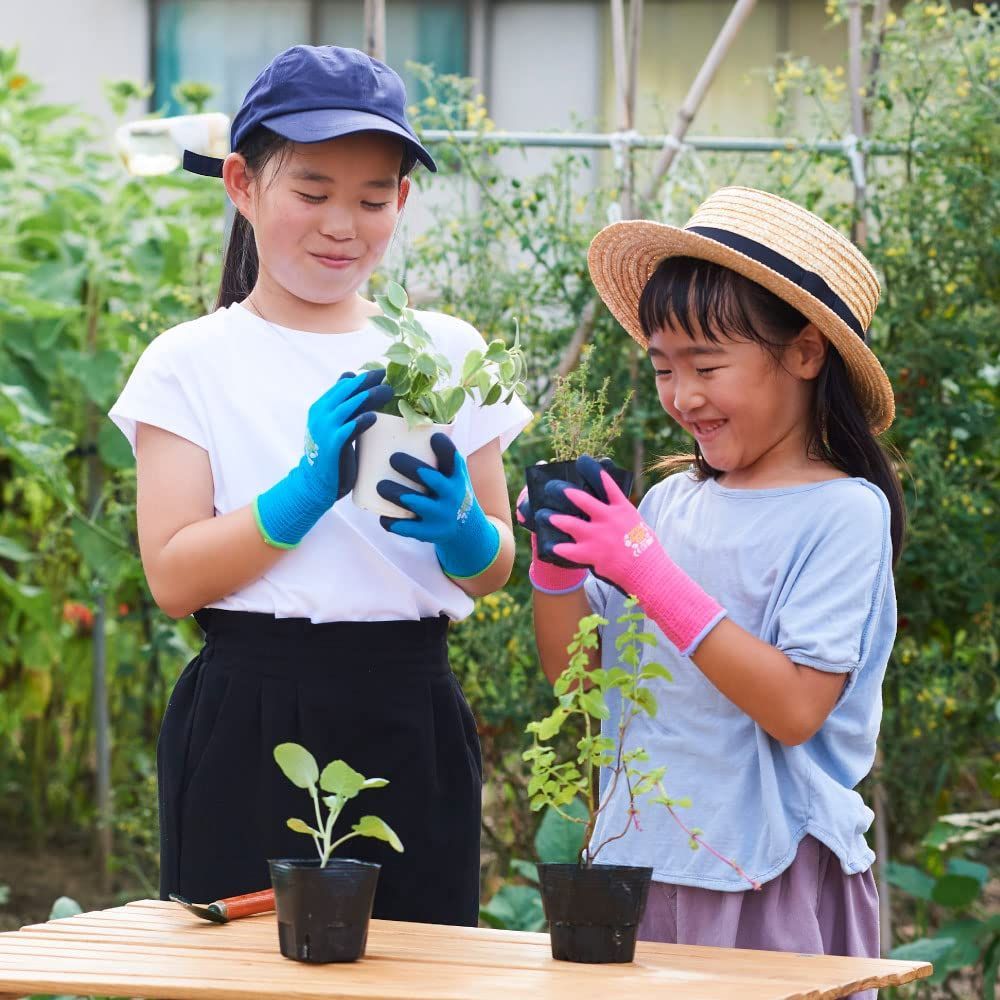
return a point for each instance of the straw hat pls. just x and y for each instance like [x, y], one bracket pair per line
[776, 243]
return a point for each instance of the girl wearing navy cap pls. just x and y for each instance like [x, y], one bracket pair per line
[322, 626]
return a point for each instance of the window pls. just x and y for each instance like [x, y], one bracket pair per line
[225, 43]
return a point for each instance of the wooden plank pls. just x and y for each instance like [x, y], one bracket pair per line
[160, 951]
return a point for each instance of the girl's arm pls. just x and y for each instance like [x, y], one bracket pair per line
[557, 618]
[790, 702]
[490, 486]
[191, 558]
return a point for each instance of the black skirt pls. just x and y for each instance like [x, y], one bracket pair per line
[379, 695]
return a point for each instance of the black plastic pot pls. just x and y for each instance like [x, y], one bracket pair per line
[593, 913]
[323, 913]
[538, 475]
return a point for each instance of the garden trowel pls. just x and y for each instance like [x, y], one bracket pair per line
[224, 910]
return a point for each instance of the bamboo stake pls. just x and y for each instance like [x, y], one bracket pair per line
[375, 28]
[742, 9]
[855, 84]
[737, 18]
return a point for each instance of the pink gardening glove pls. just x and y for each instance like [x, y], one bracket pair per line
[544, 576]
[617, 544]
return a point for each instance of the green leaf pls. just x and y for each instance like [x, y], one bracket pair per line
[594, 704]
[396, 295]
[400, 354]
[923, 950]
[514, 908]
[651, 670]
[451, 402]
[493, 396]
[65, 907]
[961, 866]
[113, 447]
[911, 880]
[411, 416]
[297, 764]
[341, 779]
[559, 839]
[386, 323]
[372, 826]
[300, 826]
[375, 783]
[9, 549]
[385, 304]
[425, 363]
[526, 869]
[472, 363]
[956, 891]
[27, 407]
[107, 561]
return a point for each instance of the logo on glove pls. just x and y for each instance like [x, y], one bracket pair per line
[638, 539]
[311, 448]
[465, 506]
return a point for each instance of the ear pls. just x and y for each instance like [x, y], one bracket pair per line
[239, 185]
[404, 193]
[807, 353]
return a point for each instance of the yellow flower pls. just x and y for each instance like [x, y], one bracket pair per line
[17, 82]
[932, 252]
[890, 19]
[412, 110]
[430, 102]
[949, 289]
[916, 734]
[794, 71]
[962, 90]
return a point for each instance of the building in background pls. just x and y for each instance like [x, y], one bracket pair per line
[542, 65]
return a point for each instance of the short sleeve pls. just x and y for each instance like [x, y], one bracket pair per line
[157, 393]
[834, 592]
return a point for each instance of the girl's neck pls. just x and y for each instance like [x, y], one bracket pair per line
[279, 306]
[786, 464]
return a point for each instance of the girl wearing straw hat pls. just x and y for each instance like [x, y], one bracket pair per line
[322, 625]
[765, 564]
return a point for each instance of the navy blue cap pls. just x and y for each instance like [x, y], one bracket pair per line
[310, 93]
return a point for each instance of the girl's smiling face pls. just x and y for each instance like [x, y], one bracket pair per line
[324, 213]
[749, 411]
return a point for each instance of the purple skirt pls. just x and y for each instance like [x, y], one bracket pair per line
[811, 907]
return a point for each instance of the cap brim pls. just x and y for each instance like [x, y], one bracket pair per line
[624, 255]
[332, 123]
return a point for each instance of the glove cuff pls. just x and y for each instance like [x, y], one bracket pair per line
[549, 579]
[290, 508]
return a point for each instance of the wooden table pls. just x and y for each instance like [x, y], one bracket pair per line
[154, 949]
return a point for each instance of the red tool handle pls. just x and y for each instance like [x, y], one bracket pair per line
[247, 905]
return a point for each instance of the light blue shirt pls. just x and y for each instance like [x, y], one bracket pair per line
[808, 569]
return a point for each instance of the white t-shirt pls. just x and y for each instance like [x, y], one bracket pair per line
[240, 388]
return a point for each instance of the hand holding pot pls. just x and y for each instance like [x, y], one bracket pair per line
[609, 535]
[328, 467]
[446, 511]
[546, 577]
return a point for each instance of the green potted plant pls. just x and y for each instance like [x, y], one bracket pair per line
[324, 905]
[594, 909]
[427, 394]
[578, 422]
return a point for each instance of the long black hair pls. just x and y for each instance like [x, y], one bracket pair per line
[239, 268]
[699, 295]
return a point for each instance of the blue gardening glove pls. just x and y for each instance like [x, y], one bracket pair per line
[329, 467]
[447, 512]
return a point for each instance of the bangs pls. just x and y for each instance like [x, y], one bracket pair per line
[700, 296]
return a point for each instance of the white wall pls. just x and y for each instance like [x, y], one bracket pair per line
[72, 46]
[545, 68]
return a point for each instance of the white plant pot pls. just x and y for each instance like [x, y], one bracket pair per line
[387, 435]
